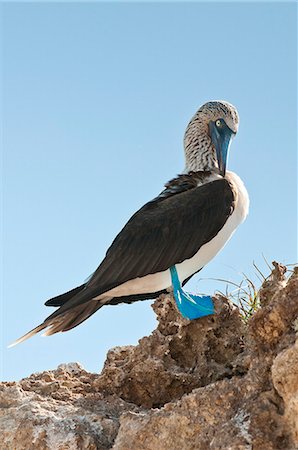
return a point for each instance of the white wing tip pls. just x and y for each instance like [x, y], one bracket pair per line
[27, 335]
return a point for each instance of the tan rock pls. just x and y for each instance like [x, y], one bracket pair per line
[285, 380]
[58, 410]
[177, 357]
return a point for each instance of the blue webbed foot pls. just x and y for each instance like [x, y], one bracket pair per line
[190, 306]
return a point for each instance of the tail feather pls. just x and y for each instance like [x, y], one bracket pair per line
[83, 314]
[64, 322]
[28, 335]
[72, 318]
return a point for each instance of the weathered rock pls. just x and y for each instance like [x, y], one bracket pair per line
[177, 357]
[214, 383]
[248, 411]
[285, 381]
[58, 409]
[272, 324]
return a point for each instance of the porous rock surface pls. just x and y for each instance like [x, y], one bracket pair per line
[213, 383]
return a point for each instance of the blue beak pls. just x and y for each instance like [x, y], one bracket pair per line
[221, 138]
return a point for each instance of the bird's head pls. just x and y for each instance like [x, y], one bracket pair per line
[208, 137]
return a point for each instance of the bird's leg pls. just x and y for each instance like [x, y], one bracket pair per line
[190, 306]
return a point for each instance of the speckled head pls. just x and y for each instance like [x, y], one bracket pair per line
[208, 136]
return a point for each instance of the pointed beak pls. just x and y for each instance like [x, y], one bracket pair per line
[221, 139]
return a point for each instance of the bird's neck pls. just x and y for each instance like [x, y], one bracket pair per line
[199, 150]
[201, 158]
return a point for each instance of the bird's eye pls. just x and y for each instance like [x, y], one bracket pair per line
[218, 123]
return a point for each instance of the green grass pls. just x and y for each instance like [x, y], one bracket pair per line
[245, 295]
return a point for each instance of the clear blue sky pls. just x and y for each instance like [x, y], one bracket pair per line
[96, 98]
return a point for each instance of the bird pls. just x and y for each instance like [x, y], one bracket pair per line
[171, 237]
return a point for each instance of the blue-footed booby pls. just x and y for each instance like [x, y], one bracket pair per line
[171, 237]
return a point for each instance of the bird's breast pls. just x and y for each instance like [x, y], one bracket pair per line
[207, 252]
[242, 199]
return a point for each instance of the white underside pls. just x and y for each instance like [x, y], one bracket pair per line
[162, 280]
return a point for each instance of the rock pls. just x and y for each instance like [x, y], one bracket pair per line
[274, 283]
[285, 381]
[247, 411]
[179, 356]
[272, 324]
[58, 409]
[213, 383]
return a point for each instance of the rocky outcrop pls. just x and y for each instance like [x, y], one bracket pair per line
[212, 383]
[179, 356]
[58, 409]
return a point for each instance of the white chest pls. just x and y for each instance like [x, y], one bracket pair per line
[209, 250]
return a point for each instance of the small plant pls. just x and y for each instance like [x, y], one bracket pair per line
[244, 295]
